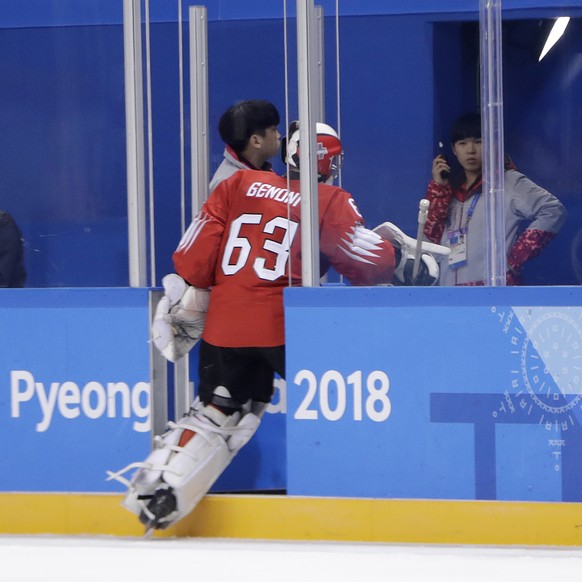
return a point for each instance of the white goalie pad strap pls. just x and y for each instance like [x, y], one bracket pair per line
[180, 317]
[191, 470]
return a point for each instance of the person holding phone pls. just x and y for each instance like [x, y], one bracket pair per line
[456, 217]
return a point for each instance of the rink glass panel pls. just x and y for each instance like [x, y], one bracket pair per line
[403, 76]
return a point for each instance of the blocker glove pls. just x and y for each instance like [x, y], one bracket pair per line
[428, 272]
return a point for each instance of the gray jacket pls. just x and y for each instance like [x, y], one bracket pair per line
[525, 201]
[229, 166]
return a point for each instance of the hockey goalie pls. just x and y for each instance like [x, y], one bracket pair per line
[232, 265]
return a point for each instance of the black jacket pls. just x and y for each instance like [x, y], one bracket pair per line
[12, 272]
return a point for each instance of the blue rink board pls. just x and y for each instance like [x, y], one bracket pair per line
[440, 393]
[74, 386]
[75, 395]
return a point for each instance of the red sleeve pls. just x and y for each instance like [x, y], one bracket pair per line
[360, 255]
[439, 197]
[196, 257]
[529, 244]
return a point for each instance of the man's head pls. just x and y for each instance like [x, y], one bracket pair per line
[329, 151]
[466, 142]
[250, 129]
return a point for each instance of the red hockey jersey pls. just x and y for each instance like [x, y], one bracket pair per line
[245, 244]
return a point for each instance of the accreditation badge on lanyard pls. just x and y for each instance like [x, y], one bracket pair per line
[458, 240]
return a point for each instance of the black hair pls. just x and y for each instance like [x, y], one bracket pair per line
[245, 118]
[466, 126]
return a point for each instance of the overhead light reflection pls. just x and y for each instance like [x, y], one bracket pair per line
[555, 35]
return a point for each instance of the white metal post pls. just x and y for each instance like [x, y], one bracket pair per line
[183, 389]
[134, 122]
[493, 153]
[320, 40]
[307, 85]
[158, 377]
[181, 106]
[199, 105]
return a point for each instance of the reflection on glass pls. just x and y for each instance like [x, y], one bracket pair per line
[556, 32]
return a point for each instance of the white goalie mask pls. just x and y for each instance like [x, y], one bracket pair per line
[329, 151]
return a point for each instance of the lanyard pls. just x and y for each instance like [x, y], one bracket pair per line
[465, 228]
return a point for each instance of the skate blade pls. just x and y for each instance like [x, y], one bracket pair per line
[149, 532]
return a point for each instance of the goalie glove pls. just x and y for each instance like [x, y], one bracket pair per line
[428, 272]
[180, 317]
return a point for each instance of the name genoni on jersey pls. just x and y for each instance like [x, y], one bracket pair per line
[262, 190]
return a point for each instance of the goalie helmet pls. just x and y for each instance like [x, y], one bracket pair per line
[329, 150]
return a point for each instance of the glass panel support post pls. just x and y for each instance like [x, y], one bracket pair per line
[490, 21]
[307, 85]
[199, 105]
[134, 129]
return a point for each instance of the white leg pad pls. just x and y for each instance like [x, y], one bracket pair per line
[189, 471]
[192, 471]
[149, 475]
[247, 427]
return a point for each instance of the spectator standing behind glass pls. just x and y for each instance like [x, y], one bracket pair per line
[456, 217]
[249, 130]
[12, 272]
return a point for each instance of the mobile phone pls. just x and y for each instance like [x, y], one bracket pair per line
[445, 175]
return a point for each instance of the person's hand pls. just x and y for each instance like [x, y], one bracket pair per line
[440, 166]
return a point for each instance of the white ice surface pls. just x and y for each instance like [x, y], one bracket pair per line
[100, 559]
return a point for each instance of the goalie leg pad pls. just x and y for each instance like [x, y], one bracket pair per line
[247, 427]
[189, 459]
[192, 471]
[148, 477]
